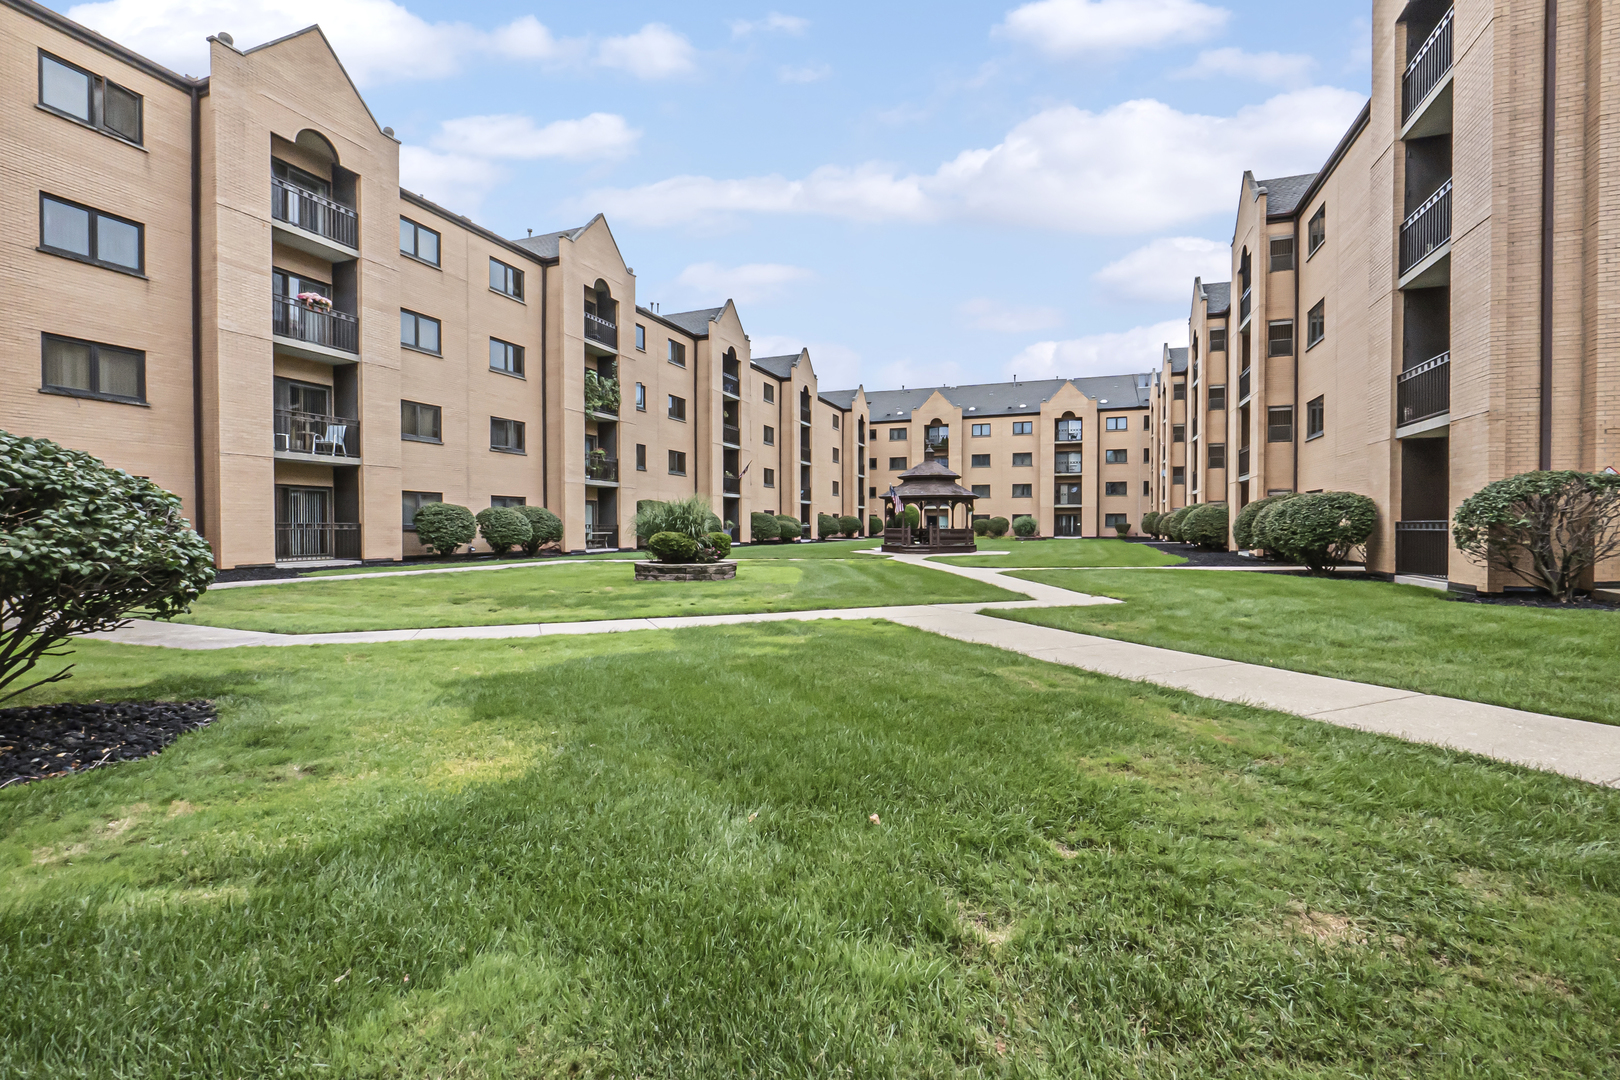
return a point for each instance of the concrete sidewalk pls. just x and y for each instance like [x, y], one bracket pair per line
[1575, 748]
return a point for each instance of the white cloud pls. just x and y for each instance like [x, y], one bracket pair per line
[983, 314]
[744, 284]
[1282, 69]
[594, 137]
[838, 367]
[1075, 27]
[1138, 349]
[1162, 271]
[451, 180]
[1137, 167]
[526, 38]
[774, 23]
[653, 52]
[807, 74]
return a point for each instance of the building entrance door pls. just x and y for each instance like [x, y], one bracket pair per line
[1067, 525]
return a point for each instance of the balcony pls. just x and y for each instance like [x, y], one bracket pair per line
[1424, 391]
[317, 225]
[731, 434]
[1243, 463]
[731, 485]
[1243, 386]
[1422, 547]
[1067, 465]
[313, 333]
[804, 413]
[1426, 229]
[1067, 432]
[1067, 495]
[937, 445]
[601, 332]
[601, 469]
[309, 543]
[731, 386]
[601, 394]
[804, 495]
[601, 539]
[334, 438]
[1245, 305]
[1428, 69]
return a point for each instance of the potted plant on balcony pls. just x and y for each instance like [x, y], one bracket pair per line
[601, 392]
[314, 301]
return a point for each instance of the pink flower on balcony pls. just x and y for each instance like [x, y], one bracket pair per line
[315, 301]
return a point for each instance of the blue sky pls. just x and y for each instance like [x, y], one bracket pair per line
[921, 193]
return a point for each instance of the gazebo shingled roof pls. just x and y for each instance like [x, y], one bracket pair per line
[933, 479]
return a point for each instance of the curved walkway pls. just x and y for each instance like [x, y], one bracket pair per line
[1575, 748]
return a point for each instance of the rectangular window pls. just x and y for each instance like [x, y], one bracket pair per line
[641, 337]
[508, 501]
[981, 461]
[1179, 390]
[1113, 520]
[1022, 491]
[1178, 474]
[677, 407]
[641, 457]
[1217, 398]
[835, 455]
[1217, 455]
[1217, 339]
[1069, 430]
[677, 463]
[1315, 418]
[1023, 427]
[641, 397]
[768, 389]
[981, 431]
[1280, 423]
[897, 434]
[1147, 455]
[874, 463]
[677, 353]
[835, 421]
[418, 332]
[88, 369]
[507, 280]
[1316, 323]
[1117, 423]
[981, 491]
[80, 232]
[1178, 432]
[1316, 231]
[411, 502]
[505, 356]
[769, 478]
[1282, 253]
[72, 91]
[1147, 488]
[1280, 338]
[420, 423]
[506, 435]
[1116, 488]
[1116, 457]
[835, 489]
[1023, 461]
[897, 464]
[770, 435]
[418, 241]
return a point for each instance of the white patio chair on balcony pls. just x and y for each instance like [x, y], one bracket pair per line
[335, 441]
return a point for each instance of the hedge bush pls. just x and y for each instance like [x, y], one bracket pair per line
[981, 526]
[1260, 527]
[1122, 528]
[1150, 523]
[999, 527]
[1206, 525]
[1546, 528]
[1243, 524]
[1171, 524]
[672, 547]
[788, 528]
[445, 526]
[503, 528]
[849, 525]
[874, 526]
[762, 527]
[544, 528]
[1025, 525]
[1320, 530]
[826, 526]
[720, 543]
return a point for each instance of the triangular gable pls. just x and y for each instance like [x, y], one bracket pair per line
[316, 29]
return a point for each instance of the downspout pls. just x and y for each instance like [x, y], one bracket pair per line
[197, 455]
[545, 440]
[1549, 116]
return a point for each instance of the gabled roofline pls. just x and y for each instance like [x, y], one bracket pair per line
[316, 27]
[472, 226]
[655, 317]
[83, 34]
[1356, 127]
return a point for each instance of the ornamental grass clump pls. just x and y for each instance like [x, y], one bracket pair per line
[444, 527]
[1545, 528]
[691, 517]
[1322, 529]
[503, 528]
[544, 528]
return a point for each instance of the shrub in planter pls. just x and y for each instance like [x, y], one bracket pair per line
[544, 528]
[787, 528]
[1320, 530]
[719, 543]
[826, 526]
[1260, 527]
[998, 527]
[1025, 525]
[691, 516]
[874, 526]
[445, 526]
[503, 528]
[1206, 525]
[981, 527]
[673, 547]
[763, 527]
[1546, 528]
[1122, 528]
[849, 525]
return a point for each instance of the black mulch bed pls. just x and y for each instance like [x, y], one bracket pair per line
[1197, 556]
[53, 740]
[1532, 599]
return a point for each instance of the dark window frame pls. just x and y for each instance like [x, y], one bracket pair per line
[1316, 324]
[418, 316]
[768, 436]
[515, 427]
[768, 478]
[92, 259]
[641, 457]
[677, 353]
[1023, 491]
[1116, 457]
[979, 461]
[1178, 433]
[672, 411]
[1217, 339]
[768, 390]
[641, 338]
[641, 397]
[1316, 417]
[1116, 489]
[95, 102]
[1214, 393]
[93, 392]
[1316, 231]
[975, 433]
[899, 434]
[508, 501]
[1178, 475]
[1116, 423]
[1276, 432]
[981, 491]
[1273, 340]
[1178, 390]
[1023, 427]
[438, 422]
[514, 350]
[1028, 461]
[1272, 257]
[513, 274]
[408, 524]
[677, 457]
[1215, 456]
[414, 254]
[901, 467]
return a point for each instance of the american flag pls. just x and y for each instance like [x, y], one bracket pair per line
[895, 497]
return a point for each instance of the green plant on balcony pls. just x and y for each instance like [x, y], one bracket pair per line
[601, 391]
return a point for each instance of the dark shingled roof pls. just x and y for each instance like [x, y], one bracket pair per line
[1178, 361]
[1283, 193]
[1006, 398]
[932, 479]
[779, 366]
[839, 399]
[1219, 294]
[1116, 391]
[694, 322]
[546, 245]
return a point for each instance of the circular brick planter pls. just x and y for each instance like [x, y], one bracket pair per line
[726, 570]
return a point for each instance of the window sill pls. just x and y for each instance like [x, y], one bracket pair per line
[641, 408]
[418, 348]
[497, 292]
[677, 419]
[509, 374]
[420, 439]
[1318, 435]
[672, 363]
[508, 450]
[424, 262]
[1315, 343]
[677, 474]
[113, 135]
[65, 391]
[74, 256]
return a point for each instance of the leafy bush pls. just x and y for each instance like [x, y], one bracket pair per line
[602, 390]
[690, 516]
[788, 528]
[719, 543]
[1150, 523]
[544, 528]
[849, 525]
[913, 516]
[445, 526]
[1546, 528]
[1206, 525]
[1320, 530]
[763, 527]
[826, 526]
[1122, 528]
[1243, 524]
[1171, 524]
[1025, 525]
[673, 547]
[874, 526]
[998, 527]
[83, 549]
[981, 527]
[503, 528]
[1260, 527]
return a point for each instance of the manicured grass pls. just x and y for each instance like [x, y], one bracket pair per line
[578, 592]
[829, 549]
[1544, 660]
[1065, 552]
[649, 855]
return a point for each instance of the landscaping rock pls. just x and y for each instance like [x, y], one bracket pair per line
[725, 570]
[53, 740]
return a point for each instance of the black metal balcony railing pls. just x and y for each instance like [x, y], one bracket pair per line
[1244, 304]
[1422, 547]
[1067, 495]
[328, 540]
[601, 331]
[1066, 433]
[1426, 228]
[1429, 65]
[804, 414]
[731, 433]
[314, 213]
[601, 539]
[312, 433]
[804, 495]
[1243, 385]
[1425, 390]
[804, 453]
[604, 469]
[732, 385]
[1243, 462]
[290, 318]
[1067, 465]
[732, 485]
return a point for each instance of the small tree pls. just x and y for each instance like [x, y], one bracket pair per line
[762, 527]
[445, 526]
[874, 525]
[1320, 530]
[1547, 528]
[503, 528]
[849, 525]
[544, 528]
[1025, 525]
[84, 549]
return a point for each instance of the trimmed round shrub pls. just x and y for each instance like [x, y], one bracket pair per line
[544, 528]
[849, 525]
[503, 528]
[1546, 528]
[445, 526]
[1122, 528]
[763, 527]
[1260, 527]
[1150, 522]
[1171, 523]
[720, 543]
[1320, 530]
[874, 526]
[981, 526]
[1243, 524]
[787, 528]
[913, 516]
[672, 547]
[998, 527]
[1025, 525]
[1206, 525]
[826, 526]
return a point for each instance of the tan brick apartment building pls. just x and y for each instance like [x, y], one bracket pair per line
[1435, 309]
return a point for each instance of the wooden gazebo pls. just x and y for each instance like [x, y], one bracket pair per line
[931, 487]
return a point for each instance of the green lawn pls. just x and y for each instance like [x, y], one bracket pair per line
[1065, 552]
[831, 549]
[649, 855]
[1539, 659]
[529, 593]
